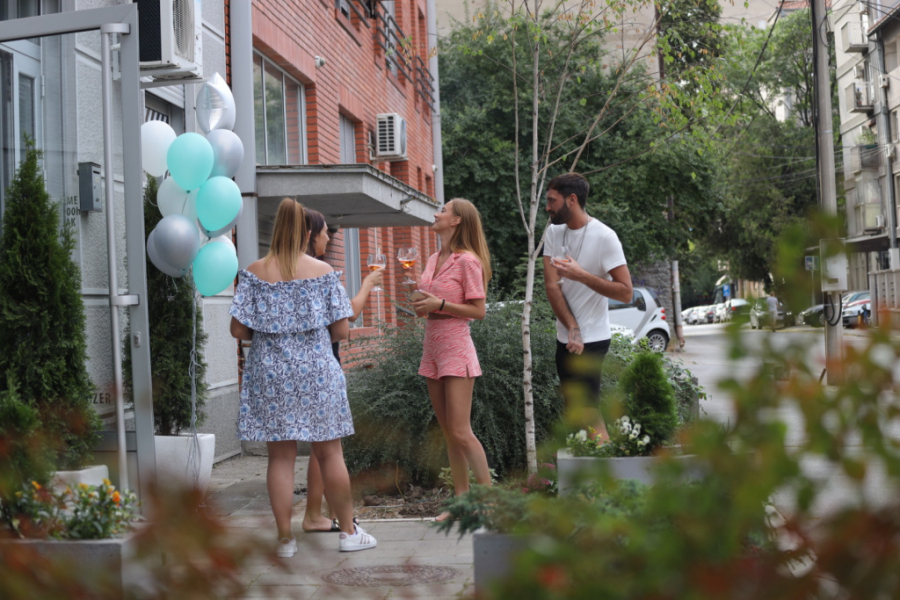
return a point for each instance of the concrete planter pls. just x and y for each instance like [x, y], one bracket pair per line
[176, 465]
[641, 468]
[110, 559]
[92, 475]
[493, 557]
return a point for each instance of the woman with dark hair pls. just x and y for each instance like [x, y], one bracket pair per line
[313, 519]
[291, 307]
[452, 293]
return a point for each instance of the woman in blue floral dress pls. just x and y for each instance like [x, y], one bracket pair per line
[292, 307]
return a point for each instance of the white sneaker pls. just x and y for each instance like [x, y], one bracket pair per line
[358, 541]
[286, 548]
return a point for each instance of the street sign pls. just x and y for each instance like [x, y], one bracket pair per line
[812, 263]
[726, 290]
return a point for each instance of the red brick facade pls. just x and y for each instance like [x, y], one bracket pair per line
[355, 83]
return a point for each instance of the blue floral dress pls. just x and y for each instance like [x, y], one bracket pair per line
[293, 387]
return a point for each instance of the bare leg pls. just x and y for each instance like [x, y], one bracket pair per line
[458, 413]
[459, 466]
[337, 481]
[280, 483]
[313, 520]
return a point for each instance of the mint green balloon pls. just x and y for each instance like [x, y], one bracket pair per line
[215, 268]
[190, 160]
[218, 205]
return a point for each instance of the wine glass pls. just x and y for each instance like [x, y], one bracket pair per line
[377, 261]
[561, 256]
[407, 258]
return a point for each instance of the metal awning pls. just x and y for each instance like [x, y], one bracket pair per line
[357, 195]
[868, 243]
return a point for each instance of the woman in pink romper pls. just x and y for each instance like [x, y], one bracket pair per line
[453, 285]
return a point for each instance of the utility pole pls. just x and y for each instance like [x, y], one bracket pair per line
[827, 186]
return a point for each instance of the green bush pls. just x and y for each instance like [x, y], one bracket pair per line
[171, 331]
[648, 397]
[396, 429]
[42, 322]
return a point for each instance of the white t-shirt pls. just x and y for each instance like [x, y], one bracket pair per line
[598, 253]
[772, 303]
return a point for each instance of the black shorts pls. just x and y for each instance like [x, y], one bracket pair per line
[580, 374]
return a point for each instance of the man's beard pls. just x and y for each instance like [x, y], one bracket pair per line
[561, 216]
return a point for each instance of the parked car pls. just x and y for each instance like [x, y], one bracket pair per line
[856, 312]
[719, 316]
[814, 315]
[644, 315]
[710, 314]
[760, 318]
[692, 315]
[737, 308]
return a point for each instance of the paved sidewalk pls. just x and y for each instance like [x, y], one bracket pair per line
[408, 550]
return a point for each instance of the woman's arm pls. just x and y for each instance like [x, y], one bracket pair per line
[241, 331]
[339, 330]
[359, 301]
[472, 309]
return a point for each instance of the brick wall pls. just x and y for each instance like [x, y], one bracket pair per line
[355, 83]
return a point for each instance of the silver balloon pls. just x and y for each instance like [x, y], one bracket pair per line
[227, 228]
[158, 262]
[177, 241]
[228, 150]
[215, 105]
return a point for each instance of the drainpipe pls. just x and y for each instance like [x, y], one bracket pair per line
[436, 113]
[242, 88]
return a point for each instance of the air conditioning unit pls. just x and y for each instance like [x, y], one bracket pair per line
[879, 220]
[390, 143]
[859, 72]
[884, 81]
[889, 151]
[171, 37]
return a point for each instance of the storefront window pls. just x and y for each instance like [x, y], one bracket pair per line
[280, 115]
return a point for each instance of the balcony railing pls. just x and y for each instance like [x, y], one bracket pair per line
[853, 37]
[860, 96]
[865, 157]
[401, 56]
[363, 10]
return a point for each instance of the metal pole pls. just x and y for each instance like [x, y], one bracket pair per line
[676, 304]
[828, 198]
[436, 140]
[108, 168]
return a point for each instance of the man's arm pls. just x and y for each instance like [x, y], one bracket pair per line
[618, 289]
[561, 308]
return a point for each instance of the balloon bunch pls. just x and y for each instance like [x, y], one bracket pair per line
[199, 195]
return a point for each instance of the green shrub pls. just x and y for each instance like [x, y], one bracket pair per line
[169, 308]
[42, 322]
[396, 430]
[648, 397]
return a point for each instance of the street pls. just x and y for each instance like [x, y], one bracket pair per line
[706, 355]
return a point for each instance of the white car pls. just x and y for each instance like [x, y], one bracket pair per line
[644, 315]
[721, 312]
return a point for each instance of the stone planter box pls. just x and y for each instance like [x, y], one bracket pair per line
[175, 465]
[111, 560]
[92, 475]
[570, 468]
[493, 557]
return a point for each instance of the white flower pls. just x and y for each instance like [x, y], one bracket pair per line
[633, 435]
[581, 435]
[637, 428]
[625, 419]
[646, 440]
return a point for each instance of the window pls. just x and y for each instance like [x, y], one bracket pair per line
[354, 267]
[348, 141]
[157, 109]
[279, 113]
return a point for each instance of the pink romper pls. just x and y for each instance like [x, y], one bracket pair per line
[448, 350]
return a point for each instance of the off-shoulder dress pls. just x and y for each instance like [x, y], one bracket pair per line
[293, 387]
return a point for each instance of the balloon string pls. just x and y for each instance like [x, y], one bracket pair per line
[194, 450]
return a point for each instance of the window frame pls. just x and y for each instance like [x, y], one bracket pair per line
[353, 269]
[264, 64]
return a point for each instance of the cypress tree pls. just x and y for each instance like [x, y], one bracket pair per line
[43, 345]
[169, 303]
[649, 396]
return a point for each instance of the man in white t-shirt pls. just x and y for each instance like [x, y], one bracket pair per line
[772, 306]
[584, 266]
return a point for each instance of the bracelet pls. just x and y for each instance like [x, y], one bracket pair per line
[442, 305]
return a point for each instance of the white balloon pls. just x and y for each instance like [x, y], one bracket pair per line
[172, 200]
[215, 105]
[222, 239]
[156, 137]
[228, 150]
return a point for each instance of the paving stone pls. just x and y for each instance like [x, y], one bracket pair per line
[298, 592]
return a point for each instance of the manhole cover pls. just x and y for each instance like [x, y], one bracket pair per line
[391, 576]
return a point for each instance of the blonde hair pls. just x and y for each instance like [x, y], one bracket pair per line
[469, 235]
[290, 237]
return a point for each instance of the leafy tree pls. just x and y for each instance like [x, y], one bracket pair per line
[169, 306]
[43, 346]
